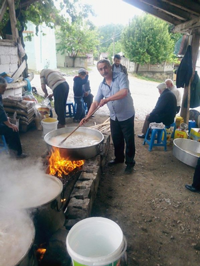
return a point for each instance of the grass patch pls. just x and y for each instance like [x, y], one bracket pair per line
[139, 76]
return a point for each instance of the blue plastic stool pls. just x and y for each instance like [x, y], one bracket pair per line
[3, 144]
[70, 110]
[174, 126]
[156, 134]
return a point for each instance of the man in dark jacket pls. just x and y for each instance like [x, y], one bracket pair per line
[164, 111]
[9, 130]
[79, 81]
[117, 66]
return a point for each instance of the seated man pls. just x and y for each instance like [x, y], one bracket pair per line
[164, 111]
[195, 187]
[9, 130]
[88, 97]
[170, 85]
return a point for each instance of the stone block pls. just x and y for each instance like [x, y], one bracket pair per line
[4, 50]
[74, 213]
[14, 59]
[79, 203]
[80, 193]
[84, 184]
[4, 68]
[12, 68]
[71, 222]
[87, 176]
[5, 59]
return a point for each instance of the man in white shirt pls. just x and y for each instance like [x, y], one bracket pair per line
[170, 85]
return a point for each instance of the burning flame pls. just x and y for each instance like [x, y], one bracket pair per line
[40, 253]
[59, 166]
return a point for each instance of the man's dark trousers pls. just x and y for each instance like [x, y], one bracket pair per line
[123, 131]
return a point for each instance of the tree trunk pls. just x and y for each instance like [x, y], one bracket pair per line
[74, 58]
[137, 68]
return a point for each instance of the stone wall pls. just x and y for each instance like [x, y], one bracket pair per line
[8, 57]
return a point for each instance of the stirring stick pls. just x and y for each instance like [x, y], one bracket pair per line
[77, 127]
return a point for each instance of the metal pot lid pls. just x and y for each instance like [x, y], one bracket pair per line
[17, 233]
[30, 191]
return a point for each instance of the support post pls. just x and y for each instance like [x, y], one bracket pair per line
[13, 20]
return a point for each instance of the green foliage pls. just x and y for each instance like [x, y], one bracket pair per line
[76, 39]
[108, 34]
[114, 50]
[147, 41]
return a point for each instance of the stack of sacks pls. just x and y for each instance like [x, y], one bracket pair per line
[25, 110]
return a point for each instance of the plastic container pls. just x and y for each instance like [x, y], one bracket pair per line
[179, 121]
[191, 124]
[96, 241]
[49, 124]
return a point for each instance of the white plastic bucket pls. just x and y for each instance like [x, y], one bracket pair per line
[49, 124]
[96, 241]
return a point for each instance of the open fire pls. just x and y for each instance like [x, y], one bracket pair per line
[59, 166]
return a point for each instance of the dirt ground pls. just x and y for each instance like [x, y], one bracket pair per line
[159, 217]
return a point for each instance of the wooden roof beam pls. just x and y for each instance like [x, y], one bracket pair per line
[187, 27]
[3, 9]
[190, 6]
[154, 12]
[169, 9]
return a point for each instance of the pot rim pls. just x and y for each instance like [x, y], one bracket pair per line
[47, 137]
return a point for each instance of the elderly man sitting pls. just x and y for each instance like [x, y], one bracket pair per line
[170, 85]
[164, 111]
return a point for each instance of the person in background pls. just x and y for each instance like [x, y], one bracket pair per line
[195, 187]
[78, 88]
[170, 85]
[88, 97]
[57, 83]
[117, 66]
[114, 91]
[9, 130]
[164, 111]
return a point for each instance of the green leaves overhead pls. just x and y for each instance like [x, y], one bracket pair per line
[147, 41]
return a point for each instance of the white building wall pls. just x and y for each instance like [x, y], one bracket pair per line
[41, 50]
[8, 58]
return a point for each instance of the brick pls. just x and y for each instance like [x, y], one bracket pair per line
[4, 50]
[12, 68]
[87, 176]
[4, 68]
[74, 213]
[14, 59]
[84, 184]
[80, 193]
[79, 203]
[5, 59]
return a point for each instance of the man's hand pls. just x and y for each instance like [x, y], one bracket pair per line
[50, 96]
[103, 102]
[86, 94]
[14, 127]
[83, 121]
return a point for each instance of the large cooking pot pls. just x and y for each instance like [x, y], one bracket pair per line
[77, 152]
[187, 151]
[16, 238]
[40, 195]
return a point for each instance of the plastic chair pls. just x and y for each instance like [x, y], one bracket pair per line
[70, 110]
[174, 126]
[158, 135]
[3, 144]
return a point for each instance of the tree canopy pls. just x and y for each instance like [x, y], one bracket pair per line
[76, 39]
[147, 40]
[108, 34]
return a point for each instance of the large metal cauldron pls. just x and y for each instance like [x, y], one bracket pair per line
[187, 151]
[76, 153]
[17, 235]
